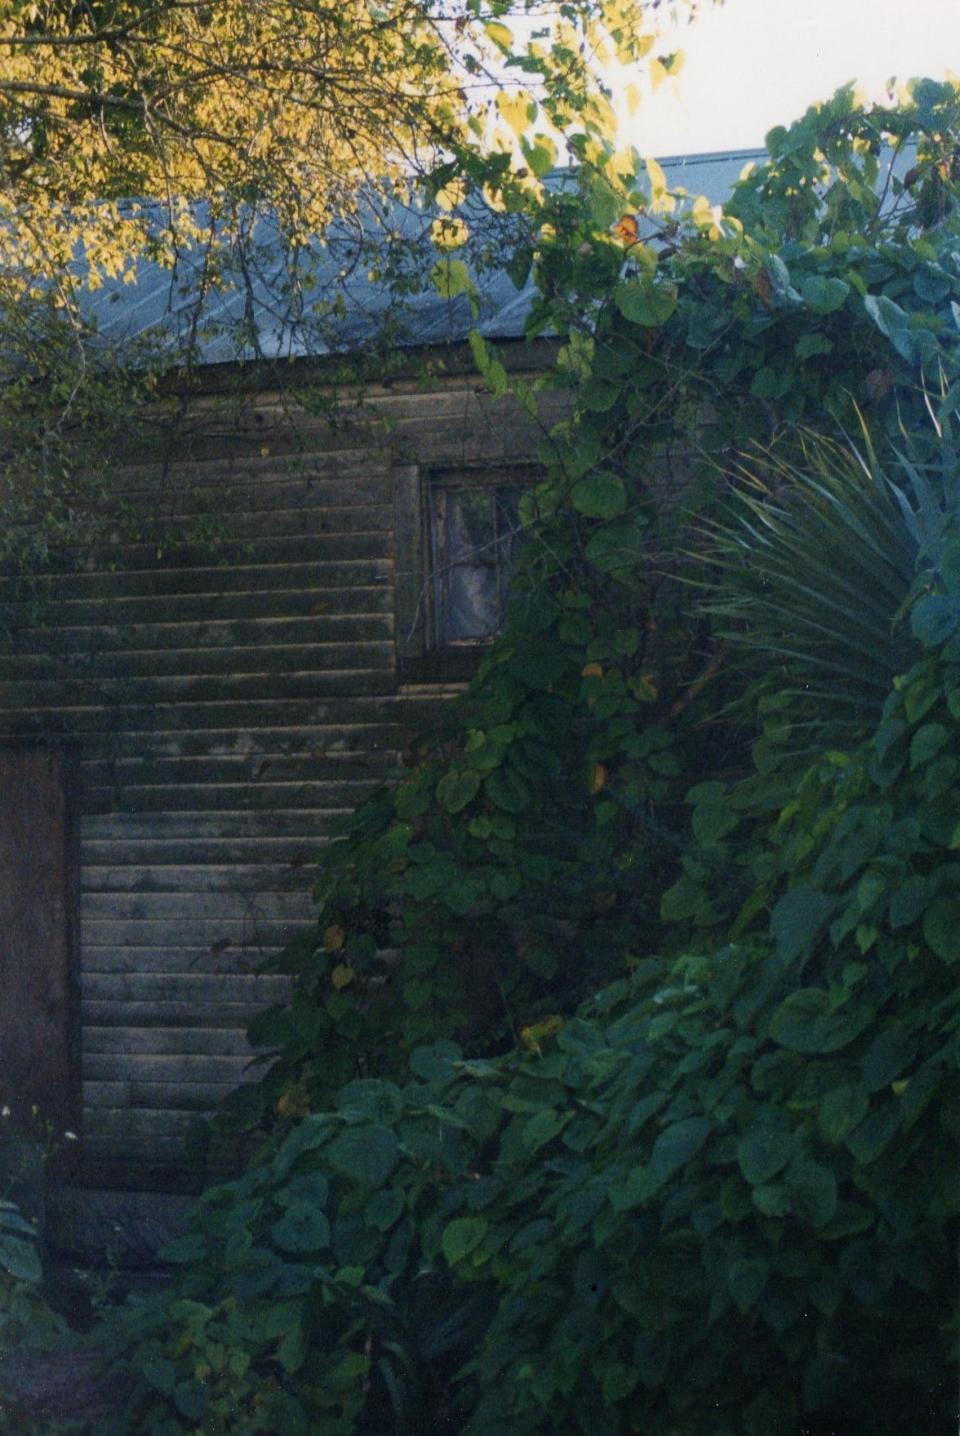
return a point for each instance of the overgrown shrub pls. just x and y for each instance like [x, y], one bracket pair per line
[718, 1197]
[521, 862]
[722, 1197]
[28, 1325]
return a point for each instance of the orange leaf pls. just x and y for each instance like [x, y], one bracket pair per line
[599, 779]
[626, 230]
[592, 670]
[763, 287]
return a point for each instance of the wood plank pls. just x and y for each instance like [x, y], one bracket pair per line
[267, 552]
[320, 574]
[173, 1014]
[160, 1096]
[214, 798]
[137, 1126]
[281, 486]
[233, 523]
[201, 823]
[236, 989]
[164, 1067]
[299, 853]
[124, 665]
[344, 468]
[247, 878]
[257, 907]
[132, 1043]
[251, 932]
[237, 714]
[179, 689]
[111, 636]
[261, 601]
[329, 740]
[253, 768]
[176, 959]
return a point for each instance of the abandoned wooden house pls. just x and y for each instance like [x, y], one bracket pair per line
[183, 724]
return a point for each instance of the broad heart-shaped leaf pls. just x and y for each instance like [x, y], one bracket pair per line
[797, 919]
[311, 1187]
[941, 927]
[507, 790]
[674, 1147]
[813, 1192]
[644, 302]
[599, 496]
[926, 743]
[384, 1208]
[841, 1109]
[190, 1399]
[302, 1228]
[765, 1149]
[823, 295]
[461, 1237]
[808, 345]
[804, 1022]
[455, 790]
[892, 1050]
[366, 1154]
[616, 546]
[19, 1258]
[746, 1280]
[874, 1133]
[887, 316]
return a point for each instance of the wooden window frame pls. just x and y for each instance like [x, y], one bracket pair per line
[421, 656]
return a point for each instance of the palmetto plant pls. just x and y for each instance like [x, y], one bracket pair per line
[811, 566]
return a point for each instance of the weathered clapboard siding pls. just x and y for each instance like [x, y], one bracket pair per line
[232, 691]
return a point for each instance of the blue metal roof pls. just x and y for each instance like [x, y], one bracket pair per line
[266, 303]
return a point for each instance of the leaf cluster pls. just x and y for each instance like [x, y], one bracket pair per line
[721, 1197]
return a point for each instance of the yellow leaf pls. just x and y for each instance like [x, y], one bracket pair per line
[516, 110]
[501, 35]
[598, 780]
[292, 1104]
[451, 195]
[264, 451]
[333, 938]
[645, 688]
[632, 96]
[592, 670]
[449, 233]
[342, 976]
[532, 1036]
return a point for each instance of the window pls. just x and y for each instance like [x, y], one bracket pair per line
[458, 535]
[474, 535]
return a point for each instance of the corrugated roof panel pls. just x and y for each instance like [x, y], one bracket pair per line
[265, 309]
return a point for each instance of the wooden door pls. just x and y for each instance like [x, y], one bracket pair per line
[39, 1010]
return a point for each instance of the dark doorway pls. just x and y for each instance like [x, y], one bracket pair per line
[39, 1007]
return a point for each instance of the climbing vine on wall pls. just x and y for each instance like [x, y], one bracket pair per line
[521, 863]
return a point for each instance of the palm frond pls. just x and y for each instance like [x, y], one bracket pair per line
[808, 570]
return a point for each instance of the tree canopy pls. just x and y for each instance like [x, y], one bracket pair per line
[286, 105]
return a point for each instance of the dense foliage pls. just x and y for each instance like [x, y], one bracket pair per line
[533, 846]
[710, 1187]
[721, 1197]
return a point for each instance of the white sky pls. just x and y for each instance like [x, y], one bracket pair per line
[753, 64]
